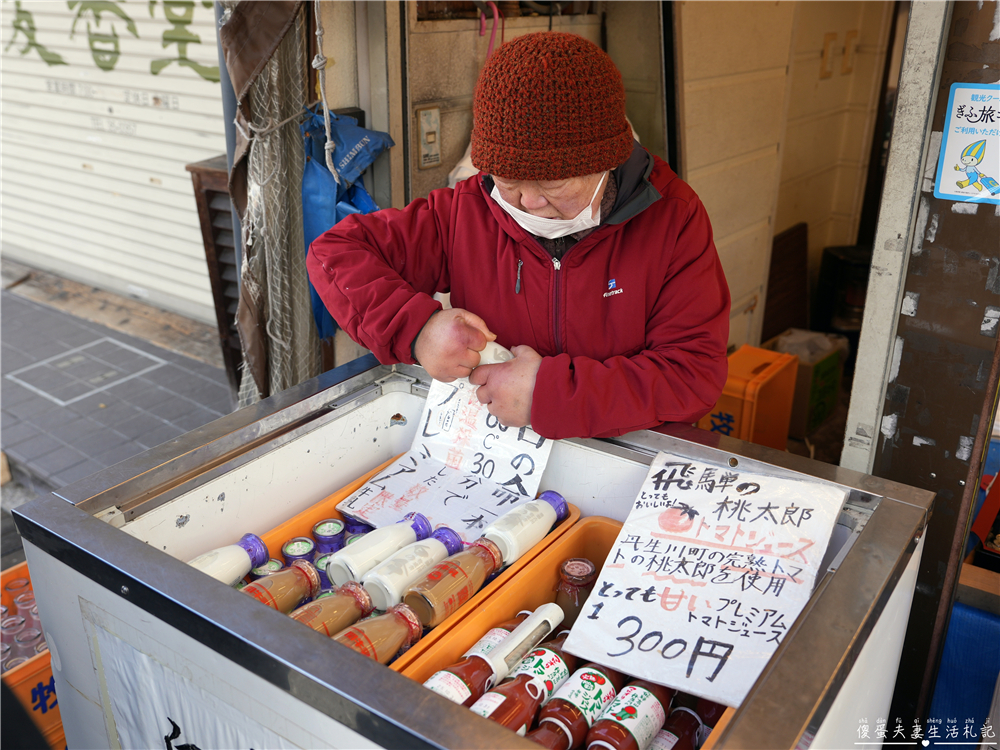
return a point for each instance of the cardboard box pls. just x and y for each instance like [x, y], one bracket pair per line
[817, 386]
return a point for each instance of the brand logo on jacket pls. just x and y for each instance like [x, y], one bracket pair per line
[613, 288]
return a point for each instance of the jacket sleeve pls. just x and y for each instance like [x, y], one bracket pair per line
[679, 374]
[376, 273]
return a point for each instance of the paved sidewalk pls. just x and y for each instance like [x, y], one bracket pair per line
[78, 397]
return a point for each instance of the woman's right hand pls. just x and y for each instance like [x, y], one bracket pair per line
[448, 345]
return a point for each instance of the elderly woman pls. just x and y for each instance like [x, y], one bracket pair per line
[574, 247]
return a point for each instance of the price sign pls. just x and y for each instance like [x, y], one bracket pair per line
[463, 470]
[711, 568]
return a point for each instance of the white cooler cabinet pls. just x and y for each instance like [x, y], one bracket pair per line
[123, 612]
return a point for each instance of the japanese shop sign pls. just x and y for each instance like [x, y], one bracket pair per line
[710, 569]
[463, 470]
[969, 164]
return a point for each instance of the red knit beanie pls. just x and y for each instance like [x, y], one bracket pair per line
[549, 106]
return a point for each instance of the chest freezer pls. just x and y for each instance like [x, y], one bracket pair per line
[126, 617]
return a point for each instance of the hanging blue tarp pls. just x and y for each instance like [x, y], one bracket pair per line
[324, 202]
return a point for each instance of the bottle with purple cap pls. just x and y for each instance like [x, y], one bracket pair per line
[387, 581]
[329, 536]
[520, 529]
[351, 563]
[230, 563]
[354, 527]
[298, 548]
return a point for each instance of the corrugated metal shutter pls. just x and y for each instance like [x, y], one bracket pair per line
[104, 103]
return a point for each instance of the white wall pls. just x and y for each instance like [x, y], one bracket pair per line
[93, 183]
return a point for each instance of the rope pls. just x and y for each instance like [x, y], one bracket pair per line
[319, 64]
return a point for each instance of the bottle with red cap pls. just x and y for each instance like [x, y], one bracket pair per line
[286, 589]
[681, 731]
[565, 720]
[380, 638]
[452, 582]
[515, 702]
[633, 718]
[331, 614]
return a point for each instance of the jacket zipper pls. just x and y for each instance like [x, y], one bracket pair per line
[555, 306]
[517, 286]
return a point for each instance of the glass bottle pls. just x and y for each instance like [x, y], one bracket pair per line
[515, 702]
[286, 589]
[492, 656]
[354, 560]
[329, 535]
[331, 614]
[14, 662]
[298, 548]
[681, 731]
[387, 581]
[355, 527]
[25, 642]
[576, 579]
[17, 586]
[565, 720]
[520, 529]
[11, 626]
[231, 563]
[633, 718]
[452, 582]
[380, 638]
[709, 712]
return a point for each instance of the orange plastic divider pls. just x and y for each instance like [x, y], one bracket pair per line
[32, 682]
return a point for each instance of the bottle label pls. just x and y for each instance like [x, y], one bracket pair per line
[588, 690]
[450, 686]
[259, 590]
[356, 639]
[545, 665]
[664, 740]
[639, 712]
[489, 703]
[487, 643]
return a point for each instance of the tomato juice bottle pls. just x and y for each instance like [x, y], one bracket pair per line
[286, 589]
[565, 720]
[515, 702]
[380, 638]
[452, 582]
[709, 712]
[633, 718]
[682, 731]
[331, 614]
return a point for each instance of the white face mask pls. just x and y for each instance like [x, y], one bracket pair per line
[553, 228]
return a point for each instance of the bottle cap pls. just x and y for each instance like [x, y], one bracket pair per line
[329, 535]
[360, 595]
[254, 546]
[451, 540]
[299, 548]
[493, 549]
[354, 526]
[271, 566]
[419, 523]
[351, 538]
[558, 502]
[578, 571]
[321, 562]
[311, 573]
[413, 623]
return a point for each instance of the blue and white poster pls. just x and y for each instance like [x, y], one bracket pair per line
[969, 165]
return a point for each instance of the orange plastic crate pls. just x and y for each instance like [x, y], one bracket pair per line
[592, 537]
[32, 682]
[756, 402]
[302, 524]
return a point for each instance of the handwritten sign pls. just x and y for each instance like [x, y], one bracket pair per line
[711, 568]
[463, 470]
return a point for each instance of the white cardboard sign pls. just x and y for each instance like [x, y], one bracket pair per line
[710, 569]
[463, 470]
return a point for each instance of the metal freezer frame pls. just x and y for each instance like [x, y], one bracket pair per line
[79, 528]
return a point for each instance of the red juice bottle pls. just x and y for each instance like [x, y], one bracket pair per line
[633, 718]
[286, 589]
[515, 702]
[380, 638]
[682, 731]
[565, 720]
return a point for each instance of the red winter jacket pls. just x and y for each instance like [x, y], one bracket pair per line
[632, 322]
